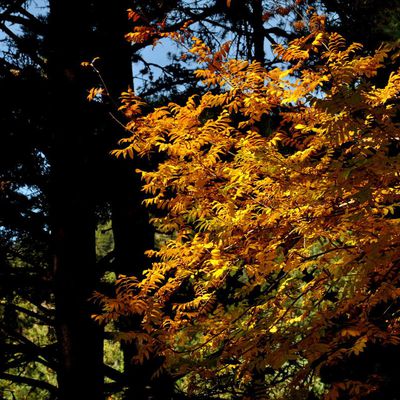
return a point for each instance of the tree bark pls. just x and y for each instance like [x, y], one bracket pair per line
[80, 374]
[258, 31]
[133, 234]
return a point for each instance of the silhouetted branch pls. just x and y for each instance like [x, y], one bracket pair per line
[28, 381]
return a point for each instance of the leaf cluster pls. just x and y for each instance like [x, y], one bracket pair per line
[283, 257]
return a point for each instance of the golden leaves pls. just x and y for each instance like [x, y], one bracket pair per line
[95, 93]
[336, 43]
[360, 345]
[276, 231]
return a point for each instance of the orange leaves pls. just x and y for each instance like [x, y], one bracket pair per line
[336, 43]
[152, 33]
[131, 104]
[133, 15]
[387, 94]
[360, 345]
[280, 199]
[141, 34]
[95, 93]
[318, 40]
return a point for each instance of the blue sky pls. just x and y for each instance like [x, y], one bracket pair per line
[155, 55]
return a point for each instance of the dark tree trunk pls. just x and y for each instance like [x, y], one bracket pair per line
[132, 232]
[258, 31]
[72, 203]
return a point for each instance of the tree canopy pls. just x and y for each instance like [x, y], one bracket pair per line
[268, 151]
[279, 192]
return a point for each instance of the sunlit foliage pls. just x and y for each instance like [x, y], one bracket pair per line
[280, 192]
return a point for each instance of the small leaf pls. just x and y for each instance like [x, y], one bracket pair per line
[95, 93]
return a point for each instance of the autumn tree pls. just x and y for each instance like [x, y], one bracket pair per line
[282, 258]
[36, 149]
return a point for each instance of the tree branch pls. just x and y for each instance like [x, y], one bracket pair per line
[33, 24]
[43, 318]
[19, 42]
[28, 381]
[35, 350]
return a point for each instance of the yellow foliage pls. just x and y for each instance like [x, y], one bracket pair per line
[275, 235]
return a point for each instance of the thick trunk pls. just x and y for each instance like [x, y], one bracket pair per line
[258, 31]
[130, 221]
[79, 337]
[72, 204]
[132, 233]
